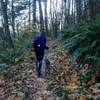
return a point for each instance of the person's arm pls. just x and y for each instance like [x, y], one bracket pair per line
[33, 45]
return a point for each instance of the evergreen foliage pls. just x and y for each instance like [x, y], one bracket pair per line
[23, 45]
[85, 41]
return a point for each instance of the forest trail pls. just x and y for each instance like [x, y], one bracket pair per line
[21, 82]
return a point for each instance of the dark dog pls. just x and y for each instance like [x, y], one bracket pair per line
[47, 67]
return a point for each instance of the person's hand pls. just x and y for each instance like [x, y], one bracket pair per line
[47, 47]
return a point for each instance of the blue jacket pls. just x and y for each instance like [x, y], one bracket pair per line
[40, 46]
[40, 40]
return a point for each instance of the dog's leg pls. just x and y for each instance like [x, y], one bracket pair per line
[47, 67]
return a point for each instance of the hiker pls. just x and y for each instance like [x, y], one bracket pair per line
[39, 48]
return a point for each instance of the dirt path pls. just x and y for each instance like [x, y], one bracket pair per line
[21, 82]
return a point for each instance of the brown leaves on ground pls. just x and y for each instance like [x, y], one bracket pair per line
[63, 74]
[21, 82]
[2, 83]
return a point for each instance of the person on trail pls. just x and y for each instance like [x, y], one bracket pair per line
[39, 46]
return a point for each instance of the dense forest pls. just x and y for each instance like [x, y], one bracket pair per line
[73, 29]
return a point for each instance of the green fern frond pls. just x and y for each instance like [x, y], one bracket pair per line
[77, 53]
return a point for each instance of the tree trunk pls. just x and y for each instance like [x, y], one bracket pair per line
[97, 6]
[2, 44]
[79, 10]
[41, 17]
[13, 18]
[17, 27]
[29, 12]
[92, 9]
[65, 13]
[34, 12]
[51, 21]
[68, 15]
[46, 20]
[73, 12]
[61, 16]
[6, 26]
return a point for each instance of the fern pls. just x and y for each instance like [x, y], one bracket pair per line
[71, 42]
[87, 38]
[4, 67]
[10, 55]
[94, 58]
[77, 53]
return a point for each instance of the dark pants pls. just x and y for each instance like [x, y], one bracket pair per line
[38, 68]
[39, 56]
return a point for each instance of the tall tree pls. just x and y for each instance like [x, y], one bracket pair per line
[79, 10]
[68, 11]
[29, 12]
[46, 20]
[73, 14]
[50, 17]
[6, 25]
[92, 8]
[65, 12]
[13, 17]
[97, 6]
[85, 10]
[34, 12]
[61, 14]
[41, 17]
